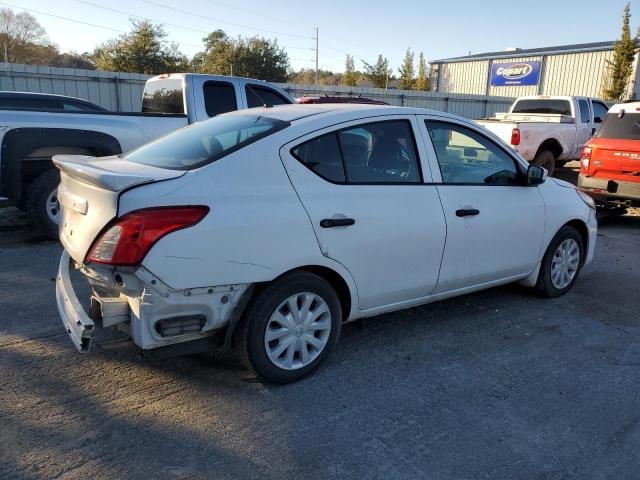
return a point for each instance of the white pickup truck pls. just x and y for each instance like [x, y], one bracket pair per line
[30, 137]
[548, 130]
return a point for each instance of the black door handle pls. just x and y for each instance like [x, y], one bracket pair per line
[467, 212]
[336, 222]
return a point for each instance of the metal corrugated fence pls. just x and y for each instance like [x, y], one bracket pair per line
[122, 92]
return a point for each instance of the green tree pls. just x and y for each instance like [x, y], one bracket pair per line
[619, 69]
[422, 82]
[254, 57]
[308, 76]
[379, 72]
[407, 78]
[143, 50]
[350, 77]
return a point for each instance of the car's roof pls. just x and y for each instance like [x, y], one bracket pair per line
[301, 111]
[627, 107]
[44, 96]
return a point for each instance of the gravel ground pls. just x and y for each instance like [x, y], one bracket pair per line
[499, 384]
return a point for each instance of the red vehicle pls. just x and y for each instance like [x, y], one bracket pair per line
[328, 99]
[610, 162]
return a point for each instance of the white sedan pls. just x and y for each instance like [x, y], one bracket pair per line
[265, 230]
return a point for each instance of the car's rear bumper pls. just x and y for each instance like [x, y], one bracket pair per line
[150, 312]
[74, 319]
[610, 191]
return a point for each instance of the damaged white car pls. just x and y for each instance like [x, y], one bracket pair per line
[266, 229]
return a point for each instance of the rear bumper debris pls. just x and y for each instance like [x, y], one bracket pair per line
[74, 319]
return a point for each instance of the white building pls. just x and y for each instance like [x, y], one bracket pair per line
[564, 70]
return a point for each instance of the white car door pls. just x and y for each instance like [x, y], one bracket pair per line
[362, 186]
[495, 224]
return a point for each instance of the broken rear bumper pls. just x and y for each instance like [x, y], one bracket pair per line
[75, 320]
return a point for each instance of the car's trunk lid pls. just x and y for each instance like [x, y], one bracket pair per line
[88, 195]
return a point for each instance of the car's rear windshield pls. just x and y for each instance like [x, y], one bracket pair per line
[626, 126]
[205, 142]
[546, 106]
[163, 96]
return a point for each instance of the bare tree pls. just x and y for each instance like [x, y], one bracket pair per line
[20, 35]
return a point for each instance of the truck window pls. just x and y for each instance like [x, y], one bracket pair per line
[163, 96]
[543, 105]
[219, 97]
[599, 112]
[626, 127]
[584, 111]
[258, 96]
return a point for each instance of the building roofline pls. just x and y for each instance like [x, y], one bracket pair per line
[530, 52]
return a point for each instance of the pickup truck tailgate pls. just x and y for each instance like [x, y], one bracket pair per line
[502, 130]
[88, 195]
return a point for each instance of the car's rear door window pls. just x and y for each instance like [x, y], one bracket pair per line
[219, 97]
[584, 111]
[205, 142]
[372, 153]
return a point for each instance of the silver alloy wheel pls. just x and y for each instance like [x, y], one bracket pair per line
[565, 263]
[297, 331]
[53, 206]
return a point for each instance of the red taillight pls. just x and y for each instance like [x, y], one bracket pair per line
[585, 158]
[515, 136]
[132, 236]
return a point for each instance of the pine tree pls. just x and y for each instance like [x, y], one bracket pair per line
[619, 69]
[422, 82]
[407, 72]
[379, 72]
[350, 77]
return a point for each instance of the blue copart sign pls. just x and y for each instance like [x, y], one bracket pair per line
[516, 73]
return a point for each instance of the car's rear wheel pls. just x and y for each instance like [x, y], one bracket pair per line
[290, 327]
[546, 159]
[561, 263]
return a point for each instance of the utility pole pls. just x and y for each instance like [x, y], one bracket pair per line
[316, 56]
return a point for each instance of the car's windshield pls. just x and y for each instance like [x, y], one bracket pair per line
[205, 142]
[544, 106]
[626, 126]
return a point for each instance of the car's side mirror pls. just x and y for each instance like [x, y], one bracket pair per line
[536, 175]
[597, 120]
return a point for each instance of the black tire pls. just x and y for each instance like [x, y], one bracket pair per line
[546, 159]
[545, 285]
[36, 201]
[249, 335]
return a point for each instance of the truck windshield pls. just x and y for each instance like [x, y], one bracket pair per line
[205, 142]
[626, 127]
[543, 105]
[163, 96]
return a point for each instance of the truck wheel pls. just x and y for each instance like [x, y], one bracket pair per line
[42, 202]
[561, 263]
[546, 159]
[290, 327]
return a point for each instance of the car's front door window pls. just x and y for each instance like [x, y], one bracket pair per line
[466, 157]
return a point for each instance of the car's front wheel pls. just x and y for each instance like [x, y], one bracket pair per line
[290, 327]
[561, 263]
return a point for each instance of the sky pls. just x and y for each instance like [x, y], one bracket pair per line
[361, 28]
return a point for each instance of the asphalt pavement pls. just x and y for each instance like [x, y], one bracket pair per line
[499, 384]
